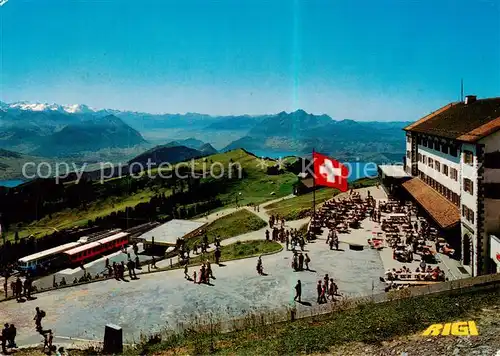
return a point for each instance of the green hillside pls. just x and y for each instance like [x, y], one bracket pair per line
[87, 203]
[255, 186]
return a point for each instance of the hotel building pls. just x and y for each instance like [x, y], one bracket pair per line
[453, 157]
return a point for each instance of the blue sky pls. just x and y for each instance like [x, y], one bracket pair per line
[362, 60]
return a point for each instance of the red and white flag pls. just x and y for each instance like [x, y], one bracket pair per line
[330, 173]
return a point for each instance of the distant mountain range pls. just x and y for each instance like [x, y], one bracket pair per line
[49, 130]
[302, 132]
[53, 130]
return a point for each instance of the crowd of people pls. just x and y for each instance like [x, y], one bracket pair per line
[421, 273]
[9, 333]
[22, 289]
[341, 215]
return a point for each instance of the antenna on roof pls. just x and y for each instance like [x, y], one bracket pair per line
[462, 90]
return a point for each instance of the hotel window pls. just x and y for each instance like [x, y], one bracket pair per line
[424, 159]
[419, 140]
[445, 170]
[454, 174]
[420, 157]
[468, 186]
[430, 144]
[431, 163]
[453, 151]
[444, 148]
[424, 142]
[468, 213]
[468, 157]
[438, 166]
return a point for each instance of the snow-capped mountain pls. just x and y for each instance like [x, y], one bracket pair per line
[27, 106]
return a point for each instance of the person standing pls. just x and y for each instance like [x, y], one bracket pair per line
[319, 290]
[307, 260]
[19, 288]
[298, 291]
[301, 262]
[259, 266]
[131, 271]
[186, 272]
[324, 290]
[217, 255]
[40, 314]
[209, 272]
[12, 336]
[5, 337]
[27, 288]
[48, 337]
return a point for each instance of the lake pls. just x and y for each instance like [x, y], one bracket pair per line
[357, 169]
[11, 183]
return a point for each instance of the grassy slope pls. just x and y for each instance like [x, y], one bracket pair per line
[241, 249]
[257, 187]
[234, 224]
[369, 324]
[298, 207]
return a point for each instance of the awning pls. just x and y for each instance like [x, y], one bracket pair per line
[393, 171]
[443, 211]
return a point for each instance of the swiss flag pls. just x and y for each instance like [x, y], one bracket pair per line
[330, 173]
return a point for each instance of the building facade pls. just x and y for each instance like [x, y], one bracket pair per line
[455, 151]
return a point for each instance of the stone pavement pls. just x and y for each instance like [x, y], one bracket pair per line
[164, 299]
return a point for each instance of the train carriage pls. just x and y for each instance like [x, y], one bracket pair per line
[91, 251]
[47, 259]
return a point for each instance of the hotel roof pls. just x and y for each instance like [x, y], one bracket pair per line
[444, 212]
[464, 122]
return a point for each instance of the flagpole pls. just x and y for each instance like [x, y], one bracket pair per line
[314, 187]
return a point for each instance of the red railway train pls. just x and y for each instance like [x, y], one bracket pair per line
[91, 251]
